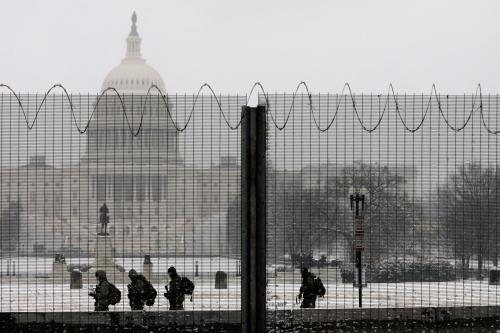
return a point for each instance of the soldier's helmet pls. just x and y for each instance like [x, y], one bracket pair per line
[172, 270]
[100, 275]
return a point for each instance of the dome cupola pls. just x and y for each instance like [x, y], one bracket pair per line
[133, 75]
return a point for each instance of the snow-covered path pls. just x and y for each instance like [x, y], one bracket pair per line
[21, 297]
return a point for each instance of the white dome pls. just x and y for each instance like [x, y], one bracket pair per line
[133, 75]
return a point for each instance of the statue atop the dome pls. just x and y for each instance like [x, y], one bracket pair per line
[133, 31]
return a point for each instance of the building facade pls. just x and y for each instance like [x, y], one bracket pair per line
[157, 204]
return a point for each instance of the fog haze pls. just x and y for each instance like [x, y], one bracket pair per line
[231, 44]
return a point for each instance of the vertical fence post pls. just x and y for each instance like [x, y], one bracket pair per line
[253, 219]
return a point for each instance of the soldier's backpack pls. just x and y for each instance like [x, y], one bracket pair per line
[150, 293]
[319, 288]
[187, 286]
[115, 295]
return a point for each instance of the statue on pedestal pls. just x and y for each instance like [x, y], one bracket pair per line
[104, 220]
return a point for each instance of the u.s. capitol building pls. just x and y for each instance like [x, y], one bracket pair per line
[158, 204]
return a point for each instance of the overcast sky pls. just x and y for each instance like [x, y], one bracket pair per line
[231, 44]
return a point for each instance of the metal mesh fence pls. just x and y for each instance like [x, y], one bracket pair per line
[168, 169]
[428, 169]
[167, 179]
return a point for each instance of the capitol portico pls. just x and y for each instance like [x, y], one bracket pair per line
[157, 203]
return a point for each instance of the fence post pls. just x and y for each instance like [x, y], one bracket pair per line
[253, 219]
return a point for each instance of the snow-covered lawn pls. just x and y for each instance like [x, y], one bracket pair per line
[32, 266]
[19, 296]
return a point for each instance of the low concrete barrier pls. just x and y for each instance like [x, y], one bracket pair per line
[182, 318]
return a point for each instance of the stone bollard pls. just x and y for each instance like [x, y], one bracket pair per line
[220, 280]
[494, 277]
[147, 267]
[76, 279]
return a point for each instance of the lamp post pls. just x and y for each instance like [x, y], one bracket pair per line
[358, 205]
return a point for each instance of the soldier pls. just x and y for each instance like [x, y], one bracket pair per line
[136, 290]
[101, 292]
[175, 290]
[140, 291]
[307, 289]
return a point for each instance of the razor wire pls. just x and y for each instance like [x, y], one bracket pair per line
[477, 105]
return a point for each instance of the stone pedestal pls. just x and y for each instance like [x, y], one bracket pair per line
[104, 259]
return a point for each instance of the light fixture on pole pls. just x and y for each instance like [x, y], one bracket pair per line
[358, 198]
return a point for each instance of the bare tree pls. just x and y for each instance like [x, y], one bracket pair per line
[303, 210]
[470, 206]
[390, 213]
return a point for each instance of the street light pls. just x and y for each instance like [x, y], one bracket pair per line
[358, 196]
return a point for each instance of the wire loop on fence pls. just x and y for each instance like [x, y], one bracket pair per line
[345, 93]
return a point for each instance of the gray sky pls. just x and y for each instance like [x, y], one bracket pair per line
[231, 44]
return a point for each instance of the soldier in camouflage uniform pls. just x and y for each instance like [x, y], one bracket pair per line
[175, 290]
[307, 289]
[101, 292]
[136, 290]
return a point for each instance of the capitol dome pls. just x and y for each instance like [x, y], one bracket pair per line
[133, 75]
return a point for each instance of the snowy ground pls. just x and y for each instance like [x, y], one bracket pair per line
[17, 296]
[32, 266]
[23, 292]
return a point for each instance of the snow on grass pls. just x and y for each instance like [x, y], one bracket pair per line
[20, 296]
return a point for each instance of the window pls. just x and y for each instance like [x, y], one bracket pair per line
[101, 187]
[155, 188]
[128, 187]
[140, 187]
[118, 188]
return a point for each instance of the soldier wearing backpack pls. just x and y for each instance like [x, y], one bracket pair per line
[310, 288]
[105, 293]
[177, 288]
[140, 291]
